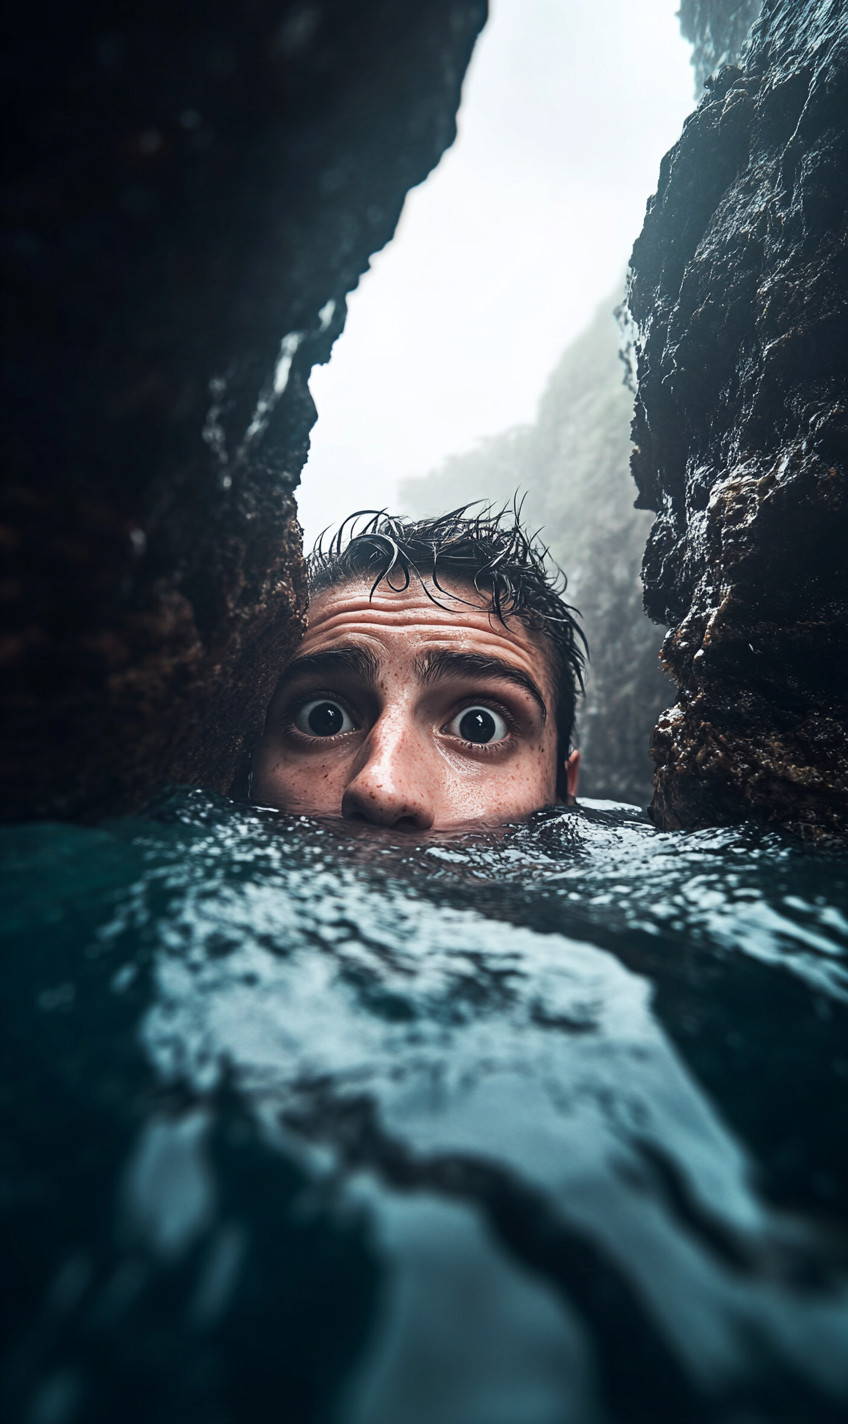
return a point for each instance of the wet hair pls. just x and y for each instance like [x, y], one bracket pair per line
[489, 550]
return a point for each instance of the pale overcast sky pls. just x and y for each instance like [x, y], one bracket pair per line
[501, 257]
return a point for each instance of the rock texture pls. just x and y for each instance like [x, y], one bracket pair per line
[738, 303]
[717, 31]
[190, 192]
[572, 466]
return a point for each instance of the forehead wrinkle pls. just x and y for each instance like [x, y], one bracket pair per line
[428, 636]
[360, 613]
[353, 615]
[359, 594]
[447, 663]
[381, 616]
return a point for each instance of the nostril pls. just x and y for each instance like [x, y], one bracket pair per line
[378, 800]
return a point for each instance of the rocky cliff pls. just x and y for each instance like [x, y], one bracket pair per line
[717, 31]
[738, 301]
[190, 194]
[572, 467]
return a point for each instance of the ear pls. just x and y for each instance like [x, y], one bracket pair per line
[572, 771]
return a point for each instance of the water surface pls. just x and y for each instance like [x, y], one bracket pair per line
[529, 1127]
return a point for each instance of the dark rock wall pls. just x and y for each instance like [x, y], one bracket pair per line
[572, 466]
[190, 192]
[739, 299]
[717, 31]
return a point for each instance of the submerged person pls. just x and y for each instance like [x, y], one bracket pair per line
[436, 683]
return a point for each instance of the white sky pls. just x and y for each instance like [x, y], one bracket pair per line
[502, 255]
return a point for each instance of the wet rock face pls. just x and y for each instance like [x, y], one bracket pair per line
[738, 298]
[716, 30]
[191, 194]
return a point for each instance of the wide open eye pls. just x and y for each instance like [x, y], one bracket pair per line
[478, 724]
[322, 718]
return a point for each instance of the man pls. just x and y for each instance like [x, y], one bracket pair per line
[436, 683]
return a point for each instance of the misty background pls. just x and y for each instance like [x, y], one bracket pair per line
[480, 355]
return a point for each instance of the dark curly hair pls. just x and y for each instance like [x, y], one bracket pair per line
[489, 550]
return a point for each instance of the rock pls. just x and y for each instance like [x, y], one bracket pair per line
[190, 195]
[572, 466]
[738, 307]
[717, 31]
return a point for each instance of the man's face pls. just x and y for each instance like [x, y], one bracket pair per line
[408, 715]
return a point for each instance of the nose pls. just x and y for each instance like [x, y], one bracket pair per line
[390, 786]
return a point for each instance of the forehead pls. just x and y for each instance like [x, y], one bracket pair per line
[408, 622]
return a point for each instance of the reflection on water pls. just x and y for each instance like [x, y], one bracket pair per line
[519, 1128]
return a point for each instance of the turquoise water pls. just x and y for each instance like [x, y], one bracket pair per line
[531, 1127]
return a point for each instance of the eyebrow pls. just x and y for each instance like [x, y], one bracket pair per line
[335, 662]
[431, 666]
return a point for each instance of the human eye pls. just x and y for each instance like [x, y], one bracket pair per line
[322, 717]
[481, 725]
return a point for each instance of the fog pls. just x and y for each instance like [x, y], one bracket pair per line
[502, 255]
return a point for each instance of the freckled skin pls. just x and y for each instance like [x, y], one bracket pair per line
[402, 763]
